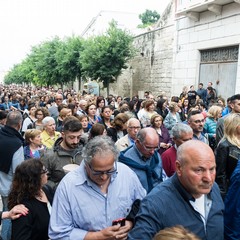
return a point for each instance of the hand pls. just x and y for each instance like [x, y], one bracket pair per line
[16, 212]
[123, 231]
[108, 233]
[163, 145]
[169, 145]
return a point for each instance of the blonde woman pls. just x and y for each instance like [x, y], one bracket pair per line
[175, 233]
[228, 151]
[172, 117]
[34, 147]
[214, 113]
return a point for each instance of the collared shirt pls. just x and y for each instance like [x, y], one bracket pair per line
[79, 206]
[201, 138]
[47, 140]
[168, 205]
[131, 141]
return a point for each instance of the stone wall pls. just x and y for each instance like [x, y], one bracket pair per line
[151, 68]
[169, 56]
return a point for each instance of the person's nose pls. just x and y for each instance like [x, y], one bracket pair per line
[75, 140]
[104, 177]
[207, 176]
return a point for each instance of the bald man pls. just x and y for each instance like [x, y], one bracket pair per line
[189, 198]
[133, 126]
[143, 158]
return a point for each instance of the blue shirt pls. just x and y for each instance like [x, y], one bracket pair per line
[6, 179]
[79, 206]
[168, 205]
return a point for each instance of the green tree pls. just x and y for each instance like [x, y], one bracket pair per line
[104, 56]
[68, 58]
[43, 60]
[148, 17]
[20, 73]
[51, 62]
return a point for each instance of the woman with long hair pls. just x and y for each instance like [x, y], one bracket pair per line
[173, 117]
[28, 188]
[228, 175]
[119, 127]
[213, 114]
[227, 152]
[91, 110]
[97, 129]
[100, 103]
[40, 114]
[161, 107]
[165, 140]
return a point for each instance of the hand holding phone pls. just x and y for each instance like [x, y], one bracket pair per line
[120, 221]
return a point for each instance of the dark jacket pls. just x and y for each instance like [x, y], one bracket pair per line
[112, 133]
[168, 205]
[227, 156]
[10, 141]
[56, 158]
[33, 226]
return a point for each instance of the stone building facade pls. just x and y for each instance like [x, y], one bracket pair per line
[195, 41]
[151, 68]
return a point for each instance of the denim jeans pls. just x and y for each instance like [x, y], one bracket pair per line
[6, 223]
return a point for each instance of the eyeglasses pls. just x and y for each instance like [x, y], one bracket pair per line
[99, 173]
[134, 127]
[44, 170]
[149, 148]
[58, 99]
[199, 121]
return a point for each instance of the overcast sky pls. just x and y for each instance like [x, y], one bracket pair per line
[25, 23]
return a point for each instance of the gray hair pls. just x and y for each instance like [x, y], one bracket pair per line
[14, 118]
[99, 145]
[46, 120]
[179, 129]
[141, 135]
[133, 120]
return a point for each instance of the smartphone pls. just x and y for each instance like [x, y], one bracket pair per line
[120, 221]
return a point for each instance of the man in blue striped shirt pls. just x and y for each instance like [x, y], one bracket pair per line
[100, 191]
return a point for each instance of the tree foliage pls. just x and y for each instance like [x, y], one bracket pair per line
[104, 57]
[149, 17]
[59, 61]
[51, 62]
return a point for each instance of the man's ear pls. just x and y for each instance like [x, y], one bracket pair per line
[178, 168]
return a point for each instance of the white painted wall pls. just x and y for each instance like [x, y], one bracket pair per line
[210, 31]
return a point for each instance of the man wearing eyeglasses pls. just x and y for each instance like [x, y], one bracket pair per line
[92, 196]
[143, 158]
[54, 108]
[196, 122]
[133, 126]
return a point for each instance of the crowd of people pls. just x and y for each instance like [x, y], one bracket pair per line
[72, 165]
